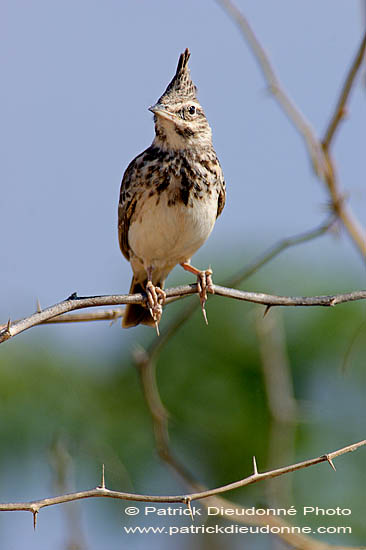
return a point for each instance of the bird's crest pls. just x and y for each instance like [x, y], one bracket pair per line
[181, 86]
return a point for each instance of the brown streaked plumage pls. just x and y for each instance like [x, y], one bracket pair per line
[171, 195]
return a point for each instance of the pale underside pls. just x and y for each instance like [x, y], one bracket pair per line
[162, 236]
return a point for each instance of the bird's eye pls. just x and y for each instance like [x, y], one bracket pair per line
[192, 110]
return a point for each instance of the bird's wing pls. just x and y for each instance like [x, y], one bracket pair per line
[221, 199]
[127, 204]
[222, 190]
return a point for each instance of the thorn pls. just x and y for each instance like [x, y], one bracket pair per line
[255, 466]
[39, 309]
[8, 325]
[330, 461]
[102, 481]
[204, 314]
[72, 296]
[35, 512]
[187, 502]
[268, 307]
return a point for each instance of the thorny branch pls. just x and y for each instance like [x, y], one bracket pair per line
[318, 149]
[146, 366]
[340, 109]
[74, 302]
[101, 491]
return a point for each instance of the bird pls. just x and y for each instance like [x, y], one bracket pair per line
[171, 195]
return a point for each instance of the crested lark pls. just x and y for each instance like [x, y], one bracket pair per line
[171, 195]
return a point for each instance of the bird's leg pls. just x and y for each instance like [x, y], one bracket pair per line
[155, 299]
[204, 284]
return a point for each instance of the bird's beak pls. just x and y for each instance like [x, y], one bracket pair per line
[162, 111]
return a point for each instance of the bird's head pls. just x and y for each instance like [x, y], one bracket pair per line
[180, 122]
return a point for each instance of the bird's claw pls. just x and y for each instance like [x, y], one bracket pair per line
[204, 285]
[155, 300]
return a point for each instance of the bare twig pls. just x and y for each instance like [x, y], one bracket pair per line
[359, 330]
[343, 211]
[276, 368]
[10, 329]
[147, 371]
[275, 250]
[281, 400]
[339, 206]
[272, 300]
[100, 315]
[318, 149]
[63, 469]
[339, 112]
[36, 505]
[292, 111]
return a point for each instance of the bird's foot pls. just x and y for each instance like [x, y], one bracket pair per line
[204, 284]
[155, 300]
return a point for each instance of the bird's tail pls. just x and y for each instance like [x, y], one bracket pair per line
[137, 314]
